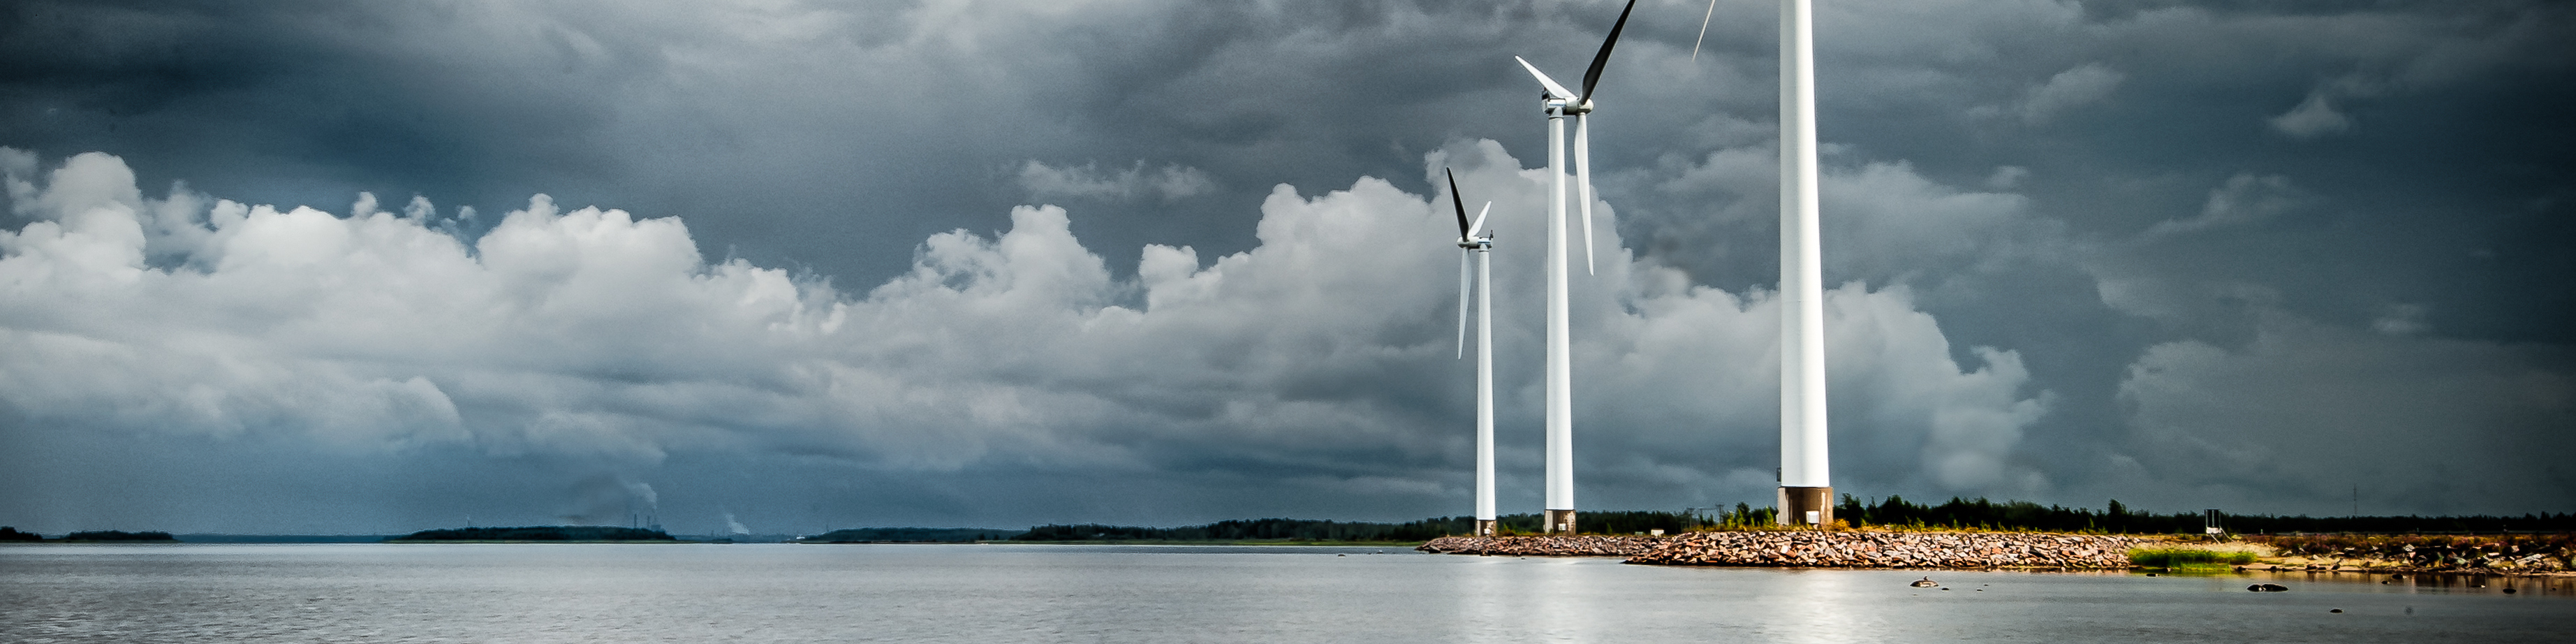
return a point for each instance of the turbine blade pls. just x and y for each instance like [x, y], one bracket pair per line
[1583, 181]
[1479, 226]
[1463, 270]
[1703, 30]
[1593, 75]
[1460, 205]
[1553, 89]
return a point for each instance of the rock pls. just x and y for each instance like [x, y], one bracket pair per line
[1925, 582]
[2267, 588]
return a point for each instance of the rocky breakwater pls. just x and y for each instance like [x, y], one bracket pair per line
[1576, 546]
[2516, 554]
[1876, 549]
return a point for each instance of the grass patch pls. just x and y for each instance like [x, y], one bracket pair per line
[2188, 559]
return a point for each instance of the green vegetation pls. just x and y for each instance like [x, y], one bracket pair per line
[2189, 559]
[1743, 517]
[118, 535]
[11, 533]
[539, 533]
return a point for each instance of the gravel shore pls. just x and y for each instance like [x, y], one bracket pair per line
[1811, 549]
[1872, 549]
[1582, 546]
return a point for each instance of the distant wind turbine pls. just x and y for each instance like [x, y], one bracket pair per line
[1558, 104]
[1476, 244]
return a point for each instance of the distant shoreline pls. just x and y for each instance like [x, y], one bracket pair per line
[1247, 542]
[538, 534]
[12, 535]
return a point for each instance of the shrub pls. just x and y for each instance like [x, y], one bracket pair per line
[2188, 558]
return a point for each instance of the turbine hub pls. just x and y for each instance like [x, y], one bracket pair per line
[1584, 107]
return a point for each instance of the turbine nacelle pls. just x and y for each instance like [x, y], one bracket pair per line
[1471, 234]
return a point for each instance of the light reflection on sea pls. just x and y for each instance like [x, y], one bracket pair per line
[1014, 593]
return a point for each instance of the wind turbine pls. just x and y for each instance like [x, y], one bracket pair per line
[1806, 490]
[1476, 245]
[1558, 104]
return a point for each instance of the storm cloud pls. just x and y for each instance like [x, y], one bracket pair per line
[1165, 261]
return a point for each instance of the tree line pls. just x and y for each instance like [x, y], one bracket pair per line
[9, 533]
[539, 533]
[2117, 518]
[1611, 522]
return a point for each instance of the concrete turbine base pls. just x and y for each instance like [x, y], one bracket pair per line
[1796, 502]
[1559, 521]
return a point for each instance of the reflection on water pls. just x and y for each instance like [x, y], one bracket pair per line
[1808, 609]
[1009, 593]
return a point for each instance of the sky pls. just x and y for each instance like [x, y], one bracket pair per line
[333, 267]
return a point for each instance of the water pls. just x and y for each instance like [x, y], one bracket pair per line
[991, 594]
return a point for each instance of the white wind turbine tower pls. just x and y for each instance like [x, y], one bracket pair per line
[1806, 491]
[1476, 244]
[1560, 380]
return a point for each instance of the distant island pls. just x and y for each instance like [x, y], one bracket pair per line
[119, 535]
[8, 533]
[909, 535]
[1274, 531]
[538, 533]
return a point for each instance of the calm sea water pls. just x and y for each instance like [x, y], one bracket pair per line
[1003, 593]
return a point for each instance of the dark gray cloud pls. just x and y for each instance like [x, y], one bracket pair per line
[2089, 248]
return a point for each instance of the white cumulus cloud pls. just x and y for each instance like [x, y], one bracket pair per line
[1321, 355]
